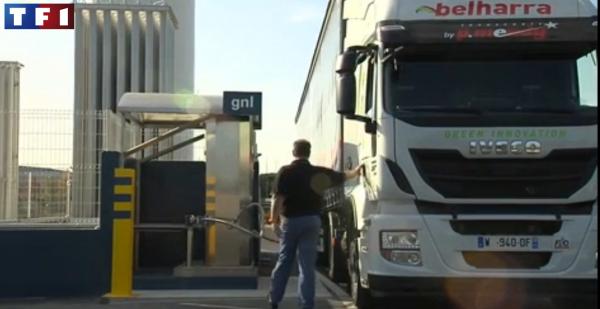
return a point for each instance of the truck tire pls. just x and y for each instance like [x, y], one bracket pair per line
[361, 296]
[323, 257]
[338, 259]
[337, 270]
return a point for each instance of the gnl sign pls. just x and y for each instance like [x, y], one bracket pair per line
[249, 104]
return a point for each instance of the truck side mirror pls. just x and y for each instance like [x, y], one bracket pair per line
[346, 82]
[346, 94]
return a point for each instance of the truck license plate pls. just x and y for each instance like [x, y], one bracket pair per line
[508, 242]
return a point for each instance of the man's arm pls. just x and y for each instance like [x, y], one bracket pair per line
[357, 171]
[276, 209]
[279, 188]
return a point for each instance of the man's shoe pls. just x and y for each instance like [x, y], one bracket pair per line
[273, 306]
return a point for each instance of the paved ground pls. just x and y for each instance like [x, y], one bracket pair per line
[329, 296]
[159, 304]
[249, 303]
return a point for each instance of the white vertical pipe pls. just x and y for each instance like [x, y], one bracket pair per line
[9, 139]
[162, 52]
[92, 132]
[123, 54]
[110, 79]
[4, 158]
[10, 130]
[79, 127]
[149, 48]
[17, 115]
[164, 76]
[149, 70]
[68, 202]
[29, 181]
[182, 57]
[13, 144]
[137, 54]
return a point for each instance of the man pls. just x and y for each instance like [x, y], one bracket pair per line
[296, 216]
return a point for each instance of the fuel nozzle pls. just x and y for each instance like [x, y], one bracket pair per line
[191, 220]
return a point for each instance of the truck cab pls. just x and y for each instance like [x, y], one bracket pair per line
[477, 123]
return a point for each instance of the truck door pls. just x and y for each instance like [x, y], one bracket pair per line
[365, 107]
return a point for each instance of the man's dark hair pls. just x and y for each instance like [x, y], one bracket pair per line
[301, 148]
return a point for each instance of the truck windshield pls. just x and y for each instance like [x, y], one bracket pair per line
[549, 86]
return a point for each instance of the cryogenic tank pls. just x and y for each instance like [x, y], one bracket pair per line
[120, 47]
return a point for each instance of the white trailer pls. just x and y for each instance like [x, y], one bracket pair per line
[477, 122]
[9, 139]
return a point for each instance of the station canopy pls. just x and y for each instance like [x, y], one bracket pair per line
[168, 110]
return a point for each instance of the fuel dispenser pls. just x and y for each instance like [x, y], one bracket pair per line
[195, 219]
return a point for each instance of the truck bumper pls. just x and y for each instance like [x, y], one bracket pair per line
[385, 286]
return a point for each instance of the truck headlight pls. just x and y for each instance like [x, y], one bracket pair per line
[401, 247]
[411, 258]
[400, 240]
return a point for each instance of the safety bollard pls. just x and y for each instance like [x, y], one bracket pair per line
[123, 233]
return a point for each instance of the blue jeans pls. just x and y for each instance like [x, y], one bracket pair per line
[299, 235]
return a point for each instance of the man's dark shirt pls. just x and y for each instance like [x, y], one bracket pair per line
[303, 186]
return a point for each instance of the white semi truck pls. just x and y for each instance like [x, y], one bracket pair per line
[477, 123]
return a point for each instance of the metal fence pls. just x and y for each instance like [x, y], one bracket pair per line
[59, 168]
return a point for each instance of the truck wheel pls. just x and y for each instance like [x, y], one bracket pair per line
[361, 296]
[337, 263]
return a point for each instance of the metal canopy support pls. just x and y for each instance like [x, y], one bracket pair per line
[158, 139]
[173, 148]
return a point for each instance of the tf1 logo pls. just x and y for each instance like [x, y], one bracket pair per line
[39, 16]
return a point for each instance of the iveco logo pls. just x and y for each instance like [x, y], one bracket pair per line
[505, 147]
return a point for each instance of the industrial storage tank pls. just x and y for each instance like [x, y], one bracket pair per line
[9, 139]
[120, 47]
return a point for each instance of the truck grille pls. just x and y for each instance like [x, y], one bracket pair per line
[507, 260]
[498, 227]
[455, 210]
[559, 175]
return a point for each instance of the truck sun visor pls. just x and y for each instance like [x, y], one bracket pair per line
[489, 31]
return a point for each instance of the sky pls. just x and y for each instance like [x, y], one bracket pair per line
[258, 45]
[246, 45]
[266, 45]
